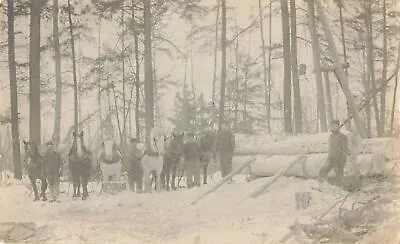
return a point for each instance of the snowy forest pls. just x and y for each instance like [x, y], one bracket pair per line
[275, 69]
[106, 52]
[278, 72]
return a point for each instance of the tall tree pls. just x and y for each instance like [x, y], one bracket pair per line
[371, 58]
[148, 73]
[396, 85]
[71, 30]
[57, 57]
[34, 73]
[295, 72]
[215, 64]
[13, 93]
[223, 65]
[269, 58]
[287, 81]
[265, 78]
[137, 74]
[317, 66]
[339, 70]
[340, 5]
[381, 126]
[328, 96]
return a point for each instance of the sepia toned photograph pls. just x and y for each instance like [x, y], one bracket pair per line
[199, 121]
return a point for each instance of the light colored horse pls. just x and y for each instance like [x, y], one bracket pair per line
[110, 161]
[153, 161]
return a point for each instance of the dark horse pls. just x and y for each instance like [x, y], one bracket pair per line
[34, 166]
[79, 165]
[172, 156]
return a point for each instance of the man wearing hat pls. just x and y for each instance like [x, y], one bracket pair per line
[337, 154]
[134, 166]
[225, 147]
[53, 169]
[192, 155]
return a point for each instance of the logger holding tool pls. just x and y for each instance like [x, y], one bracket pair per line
[337, 154]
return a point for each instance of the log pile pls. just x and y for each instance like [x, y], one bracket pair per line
[370, 156]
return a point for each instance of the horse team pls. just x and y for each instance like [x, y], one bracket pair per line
[162, 161]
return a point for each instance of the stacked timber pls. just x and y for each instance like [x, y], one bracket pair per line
[369, 156]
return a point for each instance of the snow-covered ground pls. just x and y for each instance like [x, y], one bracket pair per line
[227, 215]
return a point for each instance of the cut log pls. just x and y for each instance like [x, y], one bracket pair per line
[385, 146]
[224, 180]
[259, 191]
[266, 166]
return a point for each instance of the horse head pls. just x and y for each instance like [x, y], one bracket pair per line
[31, 151]
[109, 147]
[157, 141]
[78, 145]
[177, 144]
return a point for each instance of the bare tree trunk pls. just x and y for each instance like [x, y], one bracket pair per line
[137, 74]
[317, 66]
[223, 65]
[13, 94]
[287, 81]
[213, 119]
[123, 138]
[245, 95]
[395, 95]
[295, 73]
[340, 4]
[71, 30]
[370, 60]
[34, 73]
[57, 57]
[269, 64]
[157, 115]
[339, 70]
[148, 74]
[367, 89]
[328, 96]
[99, 73]
[236, 81]
[265, 78]
[381, 127]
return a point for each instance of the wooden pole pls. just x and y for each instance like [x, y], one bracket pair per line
[259, 191]
[339, 70]
[224, 180]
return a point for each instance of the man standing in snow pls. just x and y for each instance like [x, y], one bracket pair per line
[192, 153]
[337, 154]
[225, 146]
[53, 165]
[134, 167]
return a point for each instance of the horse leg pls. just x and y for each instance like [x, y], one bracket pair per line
[174, 169]
[167, 178]
[205, 166]
[44, 188]
[78, 186]
[33, 183]
[163, 174]
[158, 181]
[85, 180]
[147, 183]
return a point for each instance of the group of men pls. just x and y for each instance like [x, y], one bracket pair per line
[195, 153]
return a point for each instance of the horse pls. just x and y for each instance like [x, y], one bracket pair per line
[34, 166]
[207, 144]
[110, 161]
[171, 160]
[152, 161]
[80, 160]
